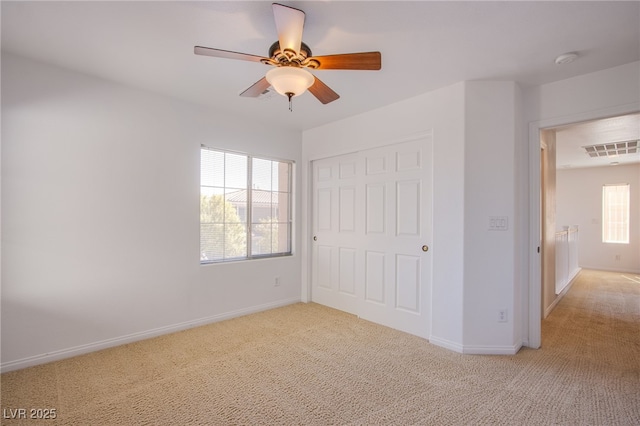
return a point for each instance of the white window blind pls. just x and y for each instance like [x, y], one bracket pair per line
[245, 206]
[615, 213]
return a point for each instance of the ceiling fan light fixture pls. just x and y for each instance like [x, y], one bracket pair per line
[290, 81]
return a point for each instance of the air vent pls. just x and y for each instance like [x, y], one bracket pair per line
[613, 149]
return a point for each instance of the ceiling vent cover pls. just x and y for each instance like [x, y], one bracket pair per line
[613, 149]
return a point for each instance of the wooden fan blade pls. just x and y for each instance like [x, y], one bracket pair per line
[227, 54]
[323, 92]
[350, 61]
[289, 24]
[256, 89]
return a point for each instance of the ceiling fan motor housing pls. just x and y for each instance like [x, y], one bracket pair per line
[288, 57]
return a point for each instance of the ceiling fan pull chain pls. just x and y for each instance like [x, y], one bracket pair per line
[290, 95]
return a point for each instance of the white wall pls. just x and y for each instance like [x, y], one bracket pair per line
[579, 202]
[491, 126]
[586, 94]
[100, 215]
[472, 179]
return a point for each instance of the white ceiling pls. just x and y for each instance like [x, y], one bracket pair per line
[571, 140]
[425, 45]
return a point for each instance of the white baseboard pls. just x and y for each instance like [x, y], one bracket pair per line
[447, 344]
[492, 350]
[476, 350]
[622, 270]
[134, 337]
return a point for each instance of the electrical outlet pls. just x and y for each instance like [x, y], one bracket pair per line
[276, 281]
[502, 315]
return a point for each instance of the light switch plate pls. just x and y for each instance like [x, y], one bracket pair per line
[498, 223]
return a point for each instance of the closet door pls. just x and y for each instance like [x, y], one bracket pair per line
[372, 230]
[336, 233]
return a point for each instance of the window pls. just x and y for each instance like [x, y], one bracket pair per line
[245, 206]
[615, 213]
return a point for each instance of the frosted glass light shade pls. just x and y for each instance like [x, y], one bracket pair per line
[290, 80]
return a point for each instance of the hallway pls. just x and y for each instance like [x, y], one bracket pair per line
[598, 321]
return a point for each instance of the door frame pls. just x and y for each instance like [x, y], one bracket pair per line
[534, 299]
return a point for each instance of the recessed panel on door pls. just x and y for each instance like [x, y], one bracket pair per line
[408, 282]
[376, 165]
[323, 209]
[407, 161]
[323, 271]
[375, 208]
[408, 208]
[347, 270]
[324, 174]
[374, 276]
[347, 209]
[347, 170]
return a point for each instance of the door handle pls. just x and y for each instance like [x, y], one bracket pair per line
[315, 238]
[425, 248]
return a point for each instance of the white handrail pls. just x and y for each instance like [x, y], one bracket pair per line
[566, 256]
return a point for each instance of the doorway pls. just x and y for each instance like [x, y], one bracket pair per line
[543, 150]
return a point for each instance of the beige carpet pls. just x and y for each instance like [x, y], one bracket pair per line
[306, 364]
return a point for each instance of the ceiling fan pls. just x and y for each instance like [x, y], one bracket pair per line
[290, 56]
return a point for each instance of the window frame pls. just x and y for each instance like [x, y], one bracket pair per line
[607, 222]
[248, 220]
